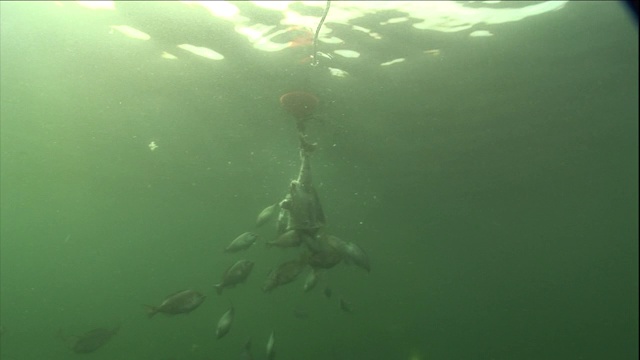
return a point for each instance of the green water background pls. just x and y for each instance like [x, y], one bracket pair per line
[494, 187]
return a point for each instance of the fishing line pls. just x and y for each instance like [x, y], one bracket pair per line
[315, 38]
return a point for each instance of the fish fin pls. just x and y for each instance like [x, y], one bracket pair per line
[151, 310]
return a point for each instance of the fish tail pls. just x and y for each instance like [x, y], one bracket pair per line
[151, 310]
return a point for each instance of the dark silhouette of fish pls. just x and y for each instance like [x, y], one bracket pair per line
[242, 242]
[345, 306]
[283, 274]
[235, 274]
[267, 214]
[246, 352]
[327, 292]
[90, 341]
[300, 313]
[181, 302]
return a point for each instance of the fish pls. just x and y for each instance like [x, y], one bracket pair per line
[351, 252]
[246, 352]
[327, 292]
[224, 324]
[337, 243]
[271, 350]
[300, 313]
[181, 302]
[267, 214]
[291, 238]
[345, 306]
[235, 274]
[356, 255]
[316, 242]
[242, 242]
[325, 259]
[283, 274]
[92, 340]
[302, 202]
[310, 281]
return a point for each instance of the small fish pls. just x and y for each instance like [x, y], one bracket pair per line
[289, 238]
[357, 256]
[235, 274]
[345, 306]
[327, 292]
[242, 242]
[325, 259]
[181, 302]
[311, 280]
[246, 352]
[271, 350]
[283, 274]
[267, 214]
[351, 252]
[224, 324]
[92, 340]
[300, 313]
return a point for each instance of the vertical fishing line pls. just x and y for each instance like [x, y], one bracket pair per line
[315, 38]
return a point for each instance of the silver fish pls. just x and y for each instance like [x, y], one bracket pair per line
[311, 280]
[224, 324]
[235, 274]
[290, 238]
[351, 252]
[242, 242]
[271, 350]
[181, 302]
[267, 214]
[357, 256]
